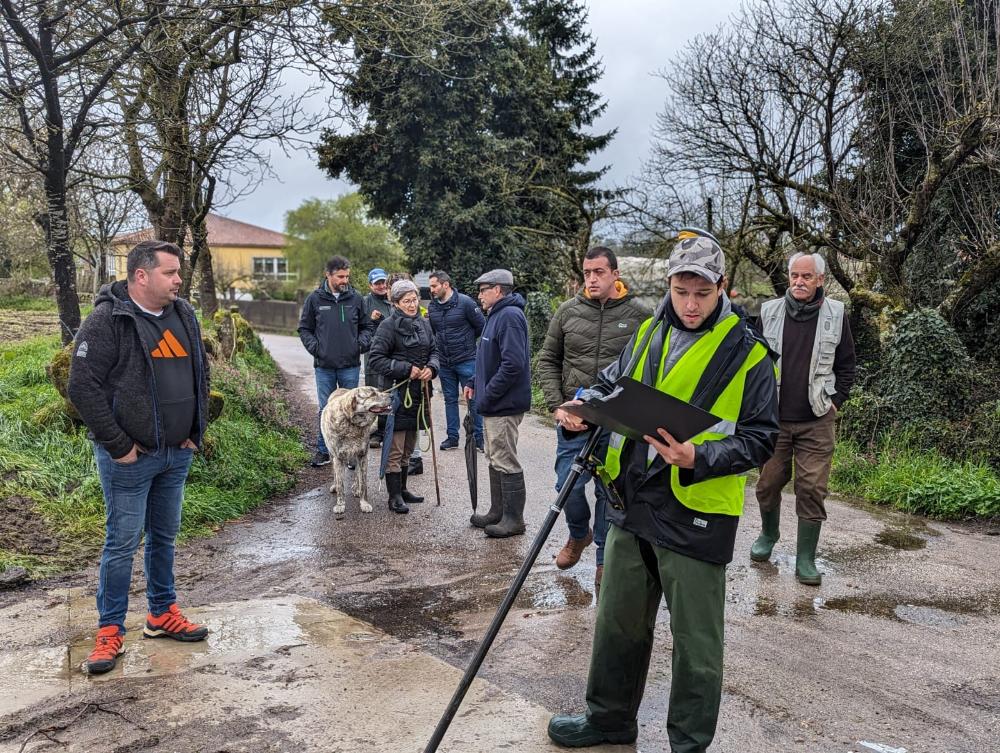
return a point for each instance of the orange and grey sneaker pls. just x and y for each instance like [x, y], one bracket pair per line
[173, 624]
[106, 650]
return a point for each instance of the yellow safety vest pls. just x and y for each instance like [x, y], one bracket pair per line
[723, 494]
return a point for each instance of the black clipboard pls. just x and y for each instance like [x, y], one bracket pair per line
[636, 409]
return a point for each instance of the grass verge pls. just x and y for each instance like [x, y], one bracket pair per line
[917, 481]
[49, 478]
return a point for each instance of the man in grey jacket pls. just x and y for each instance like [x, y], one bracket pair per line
[811, 334]
[139, 380]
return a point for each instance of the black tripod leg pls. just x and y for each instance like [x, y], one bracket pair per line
[580, 464]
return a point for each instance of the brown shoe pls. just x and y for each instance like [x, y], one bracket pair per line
[597, 581]
[569, 555]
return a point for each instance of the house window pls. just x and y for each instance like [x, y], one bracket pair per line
[271, 268]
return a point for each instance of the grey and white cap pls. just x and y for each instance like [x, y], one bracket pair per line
[496, 277]
[699, 255]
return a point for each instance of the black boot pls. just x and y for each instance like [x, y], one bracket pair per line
[408, 497]
[512, 522]
[496, 503]
[393, 485]
[416, 466]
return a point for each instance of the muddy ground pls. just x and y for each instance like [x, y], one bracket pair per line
[18, 325]
[350, 634]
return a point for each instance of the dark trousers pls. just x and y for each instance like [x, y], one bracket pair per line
[623, 639]
[808, 446]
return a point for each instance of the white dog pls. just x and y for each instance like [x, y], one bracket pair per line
[346, 423]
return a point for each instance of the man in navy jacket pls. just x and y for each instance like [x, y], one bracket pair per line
[457, 322]
[503, 395]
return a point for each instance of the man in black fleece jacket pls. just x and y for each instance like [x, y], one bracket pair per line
[335, 329]
[139, 379]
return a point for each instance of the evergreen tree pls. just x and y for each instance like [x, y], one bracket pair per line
[473, 143]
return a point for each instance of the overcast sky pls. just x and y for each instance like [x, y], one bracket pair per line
[634, 38]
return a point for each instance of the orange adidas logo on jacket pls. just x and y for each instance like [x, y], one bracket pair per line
[169, 347]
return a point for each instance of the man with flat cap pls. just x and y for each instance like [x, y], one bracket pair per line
[674, 508]
[502, 391]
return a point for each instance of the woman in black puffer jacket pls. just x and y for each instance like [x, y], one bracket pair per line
[404, 348]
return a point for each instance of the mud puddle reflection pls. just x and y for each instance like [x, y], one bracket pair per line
[237, 632]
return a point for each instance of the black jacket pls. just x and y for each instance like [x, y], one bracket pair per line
[402, 342]
[652, 512]
[375, 303]
[457, 324]
[335, 332]
[111, 375]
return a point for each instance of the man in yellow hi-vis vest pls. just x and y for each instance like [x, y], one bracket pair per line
[675, 507]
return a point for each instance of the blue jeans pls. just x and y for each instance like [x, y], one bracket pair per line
[327, 382]
[142, 496]
[451, 377]
[577, 510]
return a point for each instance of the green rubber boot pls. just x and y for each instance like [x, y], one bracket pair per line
[769, 535]
[805, 557]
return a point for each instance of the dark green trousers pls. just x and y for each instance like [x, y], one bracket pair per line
[623, 639]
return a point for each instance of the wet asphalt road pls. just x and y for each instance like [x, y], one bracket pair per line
[898, 648]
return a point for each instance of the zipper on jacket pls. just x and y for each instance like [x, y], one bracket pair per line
[342, 313]
[597, 353]
[152, 379]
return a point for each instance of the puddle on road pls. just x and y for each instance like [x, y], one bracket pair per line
[900, 538]
[927, 612]
[940, 613]
[442, 610]
[238, 632]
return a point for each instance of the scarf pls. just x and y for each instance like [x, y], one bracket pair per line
[803, 311]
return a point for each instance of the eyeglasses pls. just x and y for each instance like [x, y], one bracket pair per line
[484, 288]
[408, 301]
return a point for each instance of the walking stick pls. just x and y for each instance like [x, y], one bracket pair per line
[430, 428]
[582, 462]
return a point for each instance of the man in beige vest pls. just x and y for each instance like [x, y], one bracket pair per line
[811, 334]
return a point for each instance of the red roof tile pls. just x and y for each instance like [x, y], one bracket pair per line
[222, 231]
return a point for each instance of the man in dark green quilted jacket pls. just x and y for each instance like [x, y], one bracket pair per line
[586, 333]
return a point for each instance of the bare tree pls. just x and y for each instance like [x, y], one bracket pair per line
[99, 212]
[56, 59]
[806, 111]
[201, 116]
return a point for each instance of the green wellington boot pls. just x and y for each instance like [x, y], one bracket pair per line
[576, 731]
[769, 535]
[805, 557]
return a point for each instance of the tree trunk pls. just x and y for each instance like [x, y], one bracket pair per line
[206, 277]
[57, 240]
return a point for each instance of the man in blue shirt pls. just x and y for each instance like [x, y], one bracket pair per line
[457, 322]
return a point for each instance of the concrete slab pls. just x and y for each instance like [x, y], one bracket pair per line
[347, 685]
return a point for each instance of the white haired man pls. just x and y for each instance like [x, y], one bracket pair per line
[811, 334]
